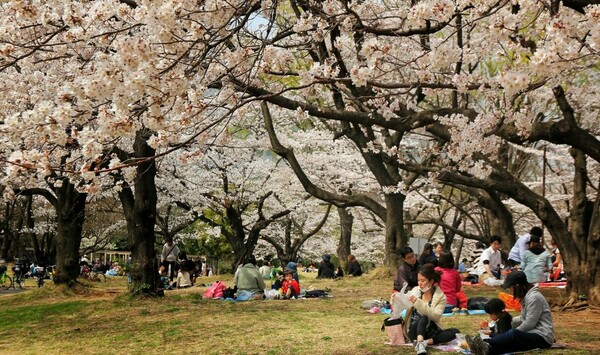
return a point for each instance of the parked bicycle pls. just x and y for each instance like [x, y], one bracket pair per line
[6, 281]
[19, 271]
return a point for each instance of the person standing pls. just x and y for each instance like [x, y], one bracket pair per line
[516, 253]
[536, 262]
[408, 270]
[168, 257]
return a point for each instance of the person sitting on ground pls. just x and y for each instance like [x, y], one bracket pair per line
[490, 261]
[265, 270]
[164, 278]
[290, 287]
[250, 283]
[426, 254]
[423, 327]
[277, 283]
[183, 278]
[326, 269]
[500, 319]
[97, 266]
[438, 248]
[408, 270]
[462, 266]
[533, 329]
[354, 268]
[536, 262]
[114, 270]
[339, 272]
[451, 283]
[557, 263]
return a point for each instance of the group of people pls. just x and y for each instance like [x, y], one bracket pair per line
[328, 271]
[434, 287]
[175, 265]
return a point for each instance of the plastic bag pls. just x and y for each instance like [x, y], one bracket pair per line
[271, 294]
[491, 281]
[400, 301]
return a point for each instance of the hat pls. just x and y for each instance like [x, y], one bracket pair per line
[327, 257]
[288, 271]
[534, 239]
[515, 278]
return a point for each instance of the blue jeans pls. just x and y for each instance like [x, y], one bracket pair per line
[515, 340]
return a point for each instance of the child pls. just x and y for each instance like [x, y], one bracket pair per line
[501, 319]
[290, 287]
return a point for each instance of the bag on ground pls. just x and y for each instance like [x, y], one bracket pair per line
[215, 290]
[393, 329]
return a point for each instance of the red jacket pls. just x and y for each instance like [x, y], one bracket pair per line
[450, 284]
[293, 284]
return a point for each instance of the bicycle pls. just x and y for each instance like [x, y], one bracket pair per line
[39, 272]
[6, 281]
[19, 275]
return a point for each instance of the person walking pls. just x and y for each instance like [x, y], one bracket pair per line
[169, 257]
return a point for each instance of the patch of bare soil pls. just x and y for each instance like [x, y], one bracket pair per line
[578, 329]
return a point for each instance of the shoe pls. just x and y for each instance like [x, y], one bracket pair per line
[421, 347]
[477, 345]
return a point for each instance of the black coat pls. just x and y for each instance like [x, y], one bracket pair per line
[326, 270]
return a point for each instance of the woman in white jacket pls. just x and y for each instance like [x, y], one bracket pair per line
[423, 319]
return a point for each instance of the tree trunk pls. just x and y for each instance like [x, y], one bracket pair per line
[70, 211]
[144, 266]
[395, 237]
[580, 250]
[343, 249]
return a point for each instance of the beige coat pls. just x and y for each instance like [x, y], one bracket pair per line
[433, 310]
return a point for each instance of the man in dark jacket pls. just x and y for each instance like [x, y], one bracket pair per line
[326, 269]
[407, 272]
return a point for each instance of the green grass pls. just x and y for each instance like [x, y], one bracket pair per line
[103, 319]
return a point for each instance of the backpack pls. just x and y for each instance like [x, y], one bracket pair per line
[215, 290]
[230, 292]
[315, 294]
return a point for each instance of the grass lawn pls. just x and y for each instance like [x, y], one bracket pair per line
[100, 318]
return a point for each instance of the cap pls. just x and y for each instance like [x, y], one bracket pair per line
[515, 278]
[327, 257]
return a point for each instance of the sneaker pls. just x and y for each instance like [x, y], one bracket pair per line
[477, 345]
[421, 347]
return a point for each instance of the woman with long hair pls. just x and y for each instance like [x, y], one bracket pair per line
[423, 319]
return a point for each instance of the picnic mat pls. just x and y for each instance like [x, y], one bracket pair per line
[559, 284]
[471, 311]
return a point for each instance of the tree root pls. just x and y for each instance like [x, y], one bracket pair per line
[575, 306]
